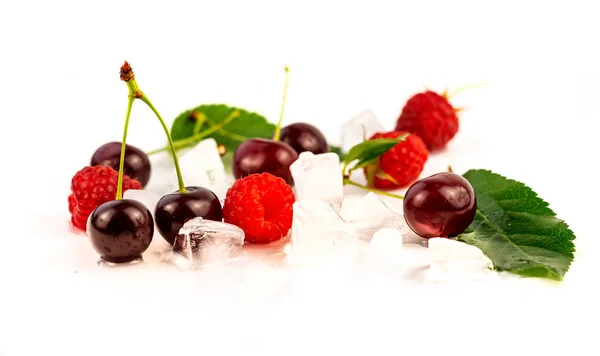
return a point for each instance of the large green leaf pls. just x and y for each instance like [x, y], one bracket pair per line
[247, 125]
[516, 229]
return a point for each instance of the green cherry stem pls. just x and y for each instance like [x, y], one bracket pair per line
[182, 189]
[123, 145]
[197, 137]
[285, 89]
[347, 181]
[135, 93]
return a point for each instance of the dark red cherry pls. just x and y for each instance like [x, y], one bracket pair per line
[120, 230]
[441, 205]
[303, 137]
[136, 166]
[175, 209]
[258, 155]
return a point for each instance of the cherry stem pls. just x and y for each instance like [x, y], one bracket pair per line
[136, 93]
[285, 89]
[182, 189]
[200, 135]
[377, 191]
[119, 195]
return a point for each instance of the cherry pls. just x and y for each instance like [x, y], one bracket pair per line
[441, 205]
[303, 137]
[120, 230]
[137, 164]
[175, 209]
[258, 155]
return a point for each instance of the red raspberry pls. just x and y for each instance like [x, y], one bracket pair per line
[91, 187]
[401, 165]
[261, 205]
[431, 117]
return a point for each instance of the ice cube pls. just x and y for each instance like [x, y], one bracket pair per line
[202, 166]
[146, 197]
[372, 215]
[318, 232]
[354, 131]
[318, 177]
[386, 246]
[204, 241]
[452, 260]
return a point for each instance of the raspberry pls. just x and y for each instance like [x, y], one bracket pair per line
[261, 205]
[91, 187]
[431, 117]
[399, 166]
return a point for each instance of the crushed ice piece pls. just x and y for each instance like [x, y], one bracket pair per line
[373, 214]
[452, 260]
[205, 241]
[318, 232]
[363, 125]
[202, 166]
[146, 197]
[107, 264]
[318, 177]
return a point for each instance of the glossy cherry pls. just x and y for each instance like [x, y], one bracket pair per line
[441, 205]
[302, 136]
[137, 164]
[120, 230]
[260, 155]
[175, 209]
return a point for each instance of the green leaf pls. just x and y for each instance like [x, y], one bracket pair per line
[516, 229]
[368, 151]
[247, 125]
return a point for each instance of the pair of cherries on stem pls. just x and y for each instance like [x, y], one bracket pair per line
[121, 230]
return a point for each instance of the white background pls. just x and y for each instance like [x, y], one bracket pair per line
[60, 98]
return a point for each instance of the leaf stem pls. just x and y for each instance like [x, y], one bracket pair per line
[227, 133]
[377, 191]
[200, 135]
[285, 89]
[200, 120]
[119, 195]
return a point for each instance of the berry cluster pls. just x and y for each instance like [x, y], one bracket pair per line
[261, 199]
